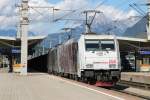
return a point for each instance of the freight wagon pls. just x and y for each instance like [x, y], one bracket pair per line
[93, 58]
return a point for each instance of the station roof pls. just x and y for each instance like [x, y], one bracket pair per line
[132, 39]
[6, 41]
[133, 44]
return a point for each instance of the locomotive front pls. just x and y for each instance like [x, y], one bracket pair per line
[99, 58]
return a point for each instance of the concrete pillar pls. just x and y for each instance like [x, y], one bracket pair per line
[24, 36]
[18, 32]
[148, 23]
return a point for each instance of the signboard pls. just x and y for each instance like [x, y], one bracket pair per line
[16, 51]
[144, 52]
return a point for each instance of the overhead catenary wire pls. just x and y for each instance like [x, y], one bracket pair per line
[100, 4]
[37, 11]
[122, 3]
[139, 8]
[76, 10]
[68, 14]
[141, 13]
[74, 20]
[57, 19]
[62, 18]
[124, 9]
[54, 20]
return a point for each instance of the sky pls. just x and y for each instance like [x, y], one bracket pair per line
[41, 20]
[54, 1]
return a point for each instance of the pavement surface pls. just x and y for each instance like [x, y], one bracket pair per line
[40, 86]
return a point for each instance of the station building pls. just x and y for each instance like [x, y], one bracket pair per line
[10, 50]
[135, 55]
[134, 48]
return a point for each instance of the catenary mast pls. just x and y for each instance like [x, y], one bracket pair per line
[148, 17]
[24, 35]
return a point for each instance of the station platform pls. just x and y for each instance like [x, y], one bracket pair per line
[136, 77]
[4, 70]
[42, 86]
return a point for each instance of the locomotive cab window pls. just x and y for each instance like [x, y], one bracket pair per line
[92, 45]
[108, 45]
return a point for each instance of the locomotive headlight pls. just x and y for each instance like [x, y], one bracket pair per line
[89, 65]
[112, 66]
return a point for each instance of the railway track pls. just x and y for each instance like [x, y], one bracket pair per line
[122, 85]
[134, 84]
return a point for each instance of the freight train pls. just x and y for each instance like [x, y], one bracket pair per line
[92, 58]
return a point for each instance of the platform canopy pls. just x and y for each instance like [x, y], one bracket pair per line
[133, 44]
[6, 41]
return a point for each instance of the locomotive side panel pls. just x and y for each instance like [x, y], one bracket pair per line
[63, 59]
[67, 57]
[53, 61]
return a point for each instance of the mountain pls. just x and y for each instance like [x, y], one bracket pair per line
[139, 30]
[100, 26]
[12, 33]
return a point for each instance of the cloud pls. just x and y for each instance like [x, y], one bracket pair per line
[115, 13]
[41, 17]
[4, 3]
[8, 17]
[111, 14]
[45, 15]
[112, 17]
[8, 22]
